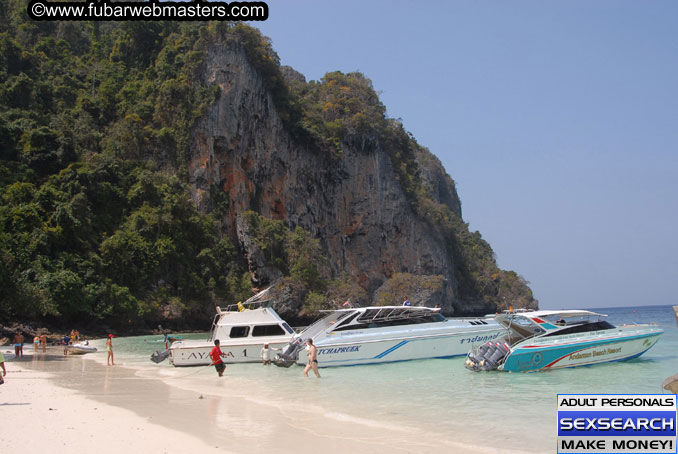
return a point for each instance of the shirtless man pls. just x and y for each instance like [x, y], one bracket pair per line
[312, 359]
[19, 345]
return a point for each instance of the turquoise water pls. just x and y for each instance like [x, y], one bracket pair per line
[438, 397]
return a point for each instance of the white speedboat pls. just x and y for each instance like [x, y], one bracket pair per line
[382, 334]
[544, 340]
[242, 330]
[80, 348]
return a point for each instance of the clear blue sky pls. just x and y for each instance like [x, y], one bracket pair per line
[557, 120]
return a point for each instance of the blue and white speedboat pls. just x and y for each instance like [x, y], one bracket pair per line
[543, 340]
[381, 334]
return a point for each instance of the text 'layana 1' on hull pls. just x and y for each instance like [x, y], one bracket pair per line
[381, 334]
[545, 340]
[242, 333]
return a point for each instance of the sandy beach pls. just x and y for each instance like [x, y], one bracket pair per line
[39, 416]
[76, 403]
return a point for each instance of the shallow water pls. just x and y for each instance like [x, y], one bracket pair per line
[435, 398]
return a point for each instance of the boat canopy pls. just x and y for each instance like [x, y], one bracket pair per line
[370, 317]
[561, 313]
[529, 324]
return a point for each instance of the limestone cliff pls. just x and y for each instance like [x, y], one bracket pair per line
[352, 201]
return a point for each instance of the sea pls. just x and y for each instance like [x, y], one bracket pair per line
[438, 397]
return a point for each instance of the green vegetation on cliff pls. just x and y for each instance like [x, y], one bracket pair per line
[96, 219]
[96, 216]
[343, 109]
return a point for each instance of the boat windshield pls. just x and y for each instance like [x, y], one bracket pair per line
[568, 320]
[389, 316]
[518, 325]
[583, 327]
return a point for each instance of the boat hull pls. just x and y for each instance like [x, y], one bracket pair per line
[80, 350]
[186, 353]
[571, 353]
[351, 352]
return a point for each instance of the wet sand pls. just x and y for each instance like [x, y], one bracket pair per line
[51, 402]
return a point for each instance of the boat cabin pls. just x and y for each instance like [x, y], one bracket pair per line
[249, 320]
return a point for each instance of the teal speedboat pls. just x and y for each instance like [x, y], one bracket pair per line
[542, 340]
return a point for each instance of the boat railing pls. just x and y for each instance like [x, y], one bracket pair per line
[214, 326]
[393, 314]
[321, 325]
[239, 307]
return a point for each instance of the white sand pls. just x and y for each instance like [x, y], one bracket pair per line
[52, 404]
[40, 417]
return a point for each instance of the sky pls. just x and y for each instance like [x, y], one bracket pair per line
[558, 122]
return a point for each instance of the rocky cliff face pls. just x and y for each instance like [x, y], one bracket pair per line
[353, 203]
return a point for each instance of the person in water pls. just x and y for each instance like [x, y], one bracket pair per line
[215, 354]
[312, 359]
[109, 348]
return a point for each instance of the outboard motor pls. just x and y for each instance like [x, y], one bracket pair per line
[499, 354]
[289, 355]
[493, 359]
[482, 351]
[488, 356]
[160, 356]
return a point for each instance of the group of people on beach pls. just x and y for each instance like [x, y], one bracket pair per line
[40, 342]
[18, 343]
[220, 366]
[70, 339]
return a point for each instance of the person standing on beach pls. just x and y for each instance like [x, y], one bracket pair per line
[109, 348]
[215, 354]
[19, 345]
[4, 371]
[43, 342]
[265, 358]
[66, 341]
[312, 359]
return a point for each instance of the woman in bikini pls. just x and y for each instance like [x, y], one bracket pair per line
[109, 349]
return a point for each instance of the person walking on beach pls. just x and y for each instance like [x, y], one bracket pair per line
[43, 342]
[36, 343]
[215, 354]
[312, 359]
[109, 348]
[4, 371]
[19, 345]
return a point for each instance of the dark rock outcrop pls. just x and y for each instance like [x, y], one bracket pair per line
[353, 204]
